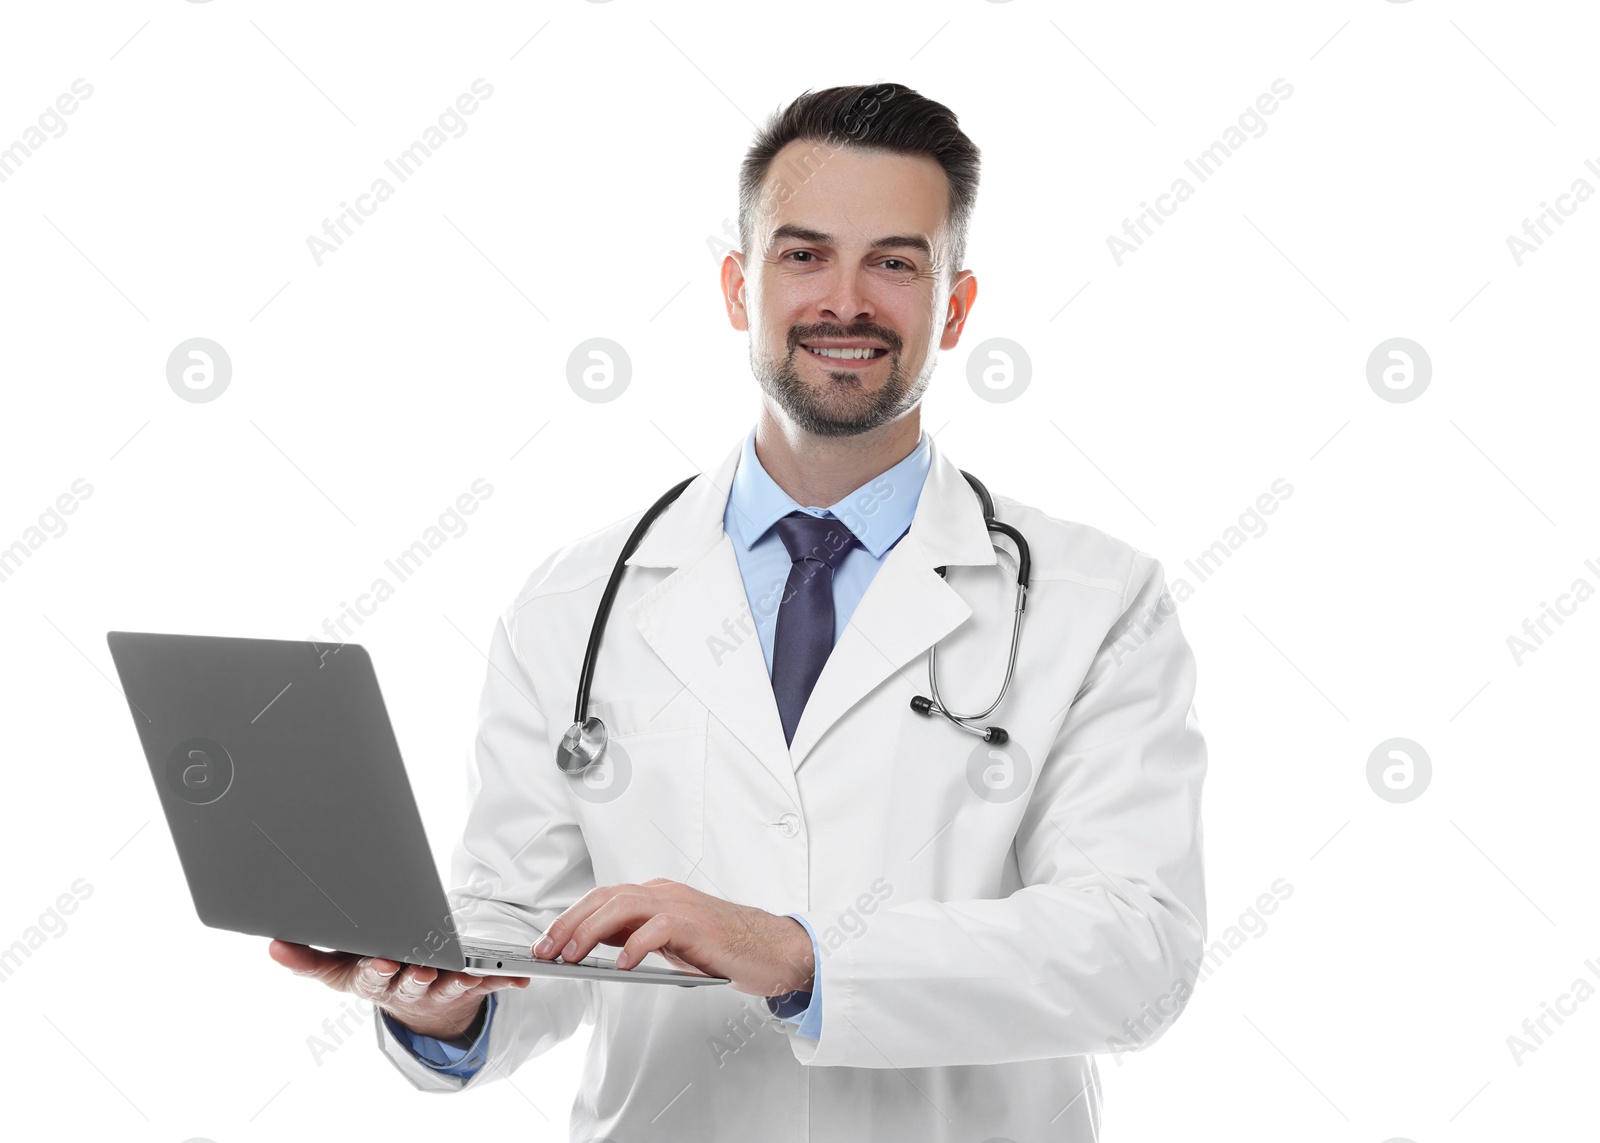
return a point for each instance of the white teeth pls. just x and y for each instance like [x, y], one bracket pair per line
[851, 354]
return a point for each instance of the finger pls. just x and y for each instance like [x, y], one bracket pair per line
[560, 930]
[373, 975]
[655, 935]
[623, 915]
[412, 984]
[452, 986]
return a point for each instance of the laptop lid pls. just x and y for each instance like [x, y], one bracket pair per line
[285, 792]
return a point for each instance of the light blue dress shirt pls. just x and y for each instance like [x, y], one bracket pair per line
[878, 513]
[443, 1057]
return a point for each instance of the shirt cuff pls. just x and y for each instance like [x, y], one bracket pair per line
[444, 1057]
[803, 1008]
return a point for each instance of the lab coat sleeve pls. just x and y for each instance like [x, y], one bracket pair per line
[520, 863]
[1099, 948]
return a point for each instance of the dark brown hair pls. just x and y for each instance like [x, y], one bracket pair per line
[879, 116]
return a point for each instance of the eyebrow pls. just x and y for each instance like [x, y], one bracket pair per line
[893, 242]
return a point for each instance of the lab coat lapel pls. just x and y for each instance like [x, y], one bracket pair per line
[907, 607]
[697, 619]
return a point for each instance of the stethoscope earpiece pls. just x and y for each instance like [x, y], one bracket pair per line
[993, 735]
[926, 705]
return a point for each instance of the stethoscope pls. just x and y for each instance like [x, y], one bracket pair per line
[584, 743]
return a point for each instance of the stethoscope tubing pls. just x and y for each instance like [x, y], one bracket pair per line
[603, 612]
[585, 741]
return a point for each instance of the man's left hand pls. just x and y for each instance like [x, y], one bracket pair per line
[761, 953]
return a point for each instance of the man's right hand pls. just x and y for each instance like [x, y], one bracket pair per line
[431, 1002]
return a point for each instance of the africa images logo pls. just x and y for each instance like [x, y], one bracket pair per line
[199, 770]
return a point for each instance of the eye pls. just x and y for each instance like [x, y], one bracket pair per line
[903, 263]
[792, 253]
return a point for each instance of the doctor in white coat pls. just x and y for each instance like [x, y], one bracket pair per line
[929, 936]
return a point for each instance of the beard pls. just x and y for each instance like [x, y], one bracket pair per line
[840, 405]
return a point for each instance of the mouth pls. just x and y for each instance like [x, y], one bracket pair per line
[845, 356]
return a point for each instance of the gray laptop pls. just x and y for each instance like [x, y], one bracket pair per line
[289, 804]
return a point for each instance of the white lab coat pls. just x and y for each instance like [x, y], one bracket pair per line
[987, 924]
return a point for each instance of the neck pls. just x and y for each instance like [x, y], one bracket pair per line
[818, 472]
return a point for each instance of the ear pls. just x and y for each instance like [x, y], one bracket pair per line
[963, 294]
[733, 290]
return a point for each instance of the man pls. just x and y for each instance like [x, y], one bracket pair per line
[942, 931]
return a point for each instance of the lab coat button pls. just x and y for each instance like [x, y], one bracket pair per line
[788, 825]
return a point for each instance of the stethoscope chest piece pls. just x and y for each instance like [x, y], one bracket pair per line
[582, 745]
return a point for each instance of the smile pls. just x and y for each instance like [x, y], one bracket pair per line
[863, 354]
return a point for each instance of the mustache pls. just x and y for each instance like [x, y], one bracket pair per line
[864, 333]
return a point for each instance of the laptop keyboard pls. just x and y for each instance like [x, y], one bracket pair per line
[522, 952]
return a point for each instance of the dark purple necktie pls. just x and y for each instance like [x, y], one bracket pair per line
[804, 634]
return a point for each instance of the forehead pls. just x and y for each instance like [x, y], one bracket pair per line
[854, 193]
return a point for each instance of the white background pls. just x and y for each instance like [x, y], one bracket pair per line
[585, 199]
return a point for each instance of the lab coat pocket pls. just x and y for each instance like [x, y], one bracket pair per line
[642, 806]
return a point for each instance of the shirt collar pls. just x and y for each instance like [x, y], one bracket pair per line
[878, 513]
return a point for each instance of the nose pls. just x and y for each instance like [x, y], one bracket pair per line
[845, 302]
